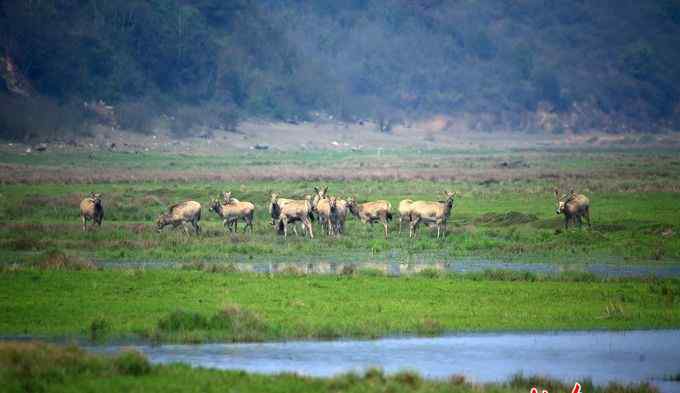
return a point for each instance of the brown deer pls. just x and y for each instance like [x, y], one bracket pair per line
[432, 213]
[371, 212]
[91, 209]
[573, 206]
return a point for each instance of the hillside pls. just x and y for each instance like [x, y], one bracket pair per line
[522, 65]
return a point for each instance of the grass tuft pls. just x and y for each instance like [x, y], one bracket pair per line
[98, 328]
[181, 321]
[131, 362]
[232, 323]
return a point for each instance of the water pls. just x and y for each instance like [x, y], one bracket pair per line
[599, 269]
[625, 357]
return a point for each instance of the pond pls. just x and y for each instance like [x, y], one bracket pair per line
[602, 356]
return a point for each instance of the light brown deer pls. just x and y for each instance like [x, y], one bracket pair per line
[180, 214]
[370, 212]
[431, 213]
[91, 209]
[295, 211]
[231, 212]
[405, 207]
[573, 206]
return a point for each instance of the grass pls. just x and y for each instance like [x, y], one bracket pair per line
[502, 212]
[196, 306]
[38, 367]
[485, 223]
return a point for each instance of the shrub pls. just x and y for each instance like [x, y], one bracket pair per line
[99, 327]
[183, 321]
[131, 362]
[243, 324]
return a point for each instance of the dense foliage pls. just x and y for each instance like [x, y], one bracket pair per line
[354, 59]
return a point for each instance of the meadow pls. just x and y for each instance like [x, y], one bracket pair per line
[505, 210]
[183, 305]
[173, 287]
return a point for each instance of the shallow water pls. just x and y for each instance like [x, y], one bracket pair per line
[491, 357]
[600, 269]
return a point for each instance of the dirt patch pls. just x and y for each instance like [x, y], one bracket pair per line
[509, 218]
[57, 260]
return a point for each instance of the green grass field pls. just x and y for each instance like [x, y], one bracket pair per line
[505, 211]
[191, 306]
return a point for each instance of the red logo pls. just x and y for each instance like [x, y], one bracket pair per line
[575, 389]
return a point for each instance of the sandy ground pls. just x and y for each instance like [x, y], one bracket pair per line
[304, 136]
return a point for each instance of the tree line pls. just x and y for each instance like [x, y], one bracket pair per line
[212, 62]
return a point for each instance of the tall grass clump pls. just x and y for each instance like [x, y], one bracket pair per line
[232, 323]
[37, 366]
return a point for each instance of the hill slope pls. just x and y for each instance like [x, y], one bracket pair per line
[607, 64]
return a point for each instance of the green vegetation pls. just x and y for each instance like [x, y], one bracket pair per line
[37, 367]
[195, 306]
[612, 66]
[501, 213]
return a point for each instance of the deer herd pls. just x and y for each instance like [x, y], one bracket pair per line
[329, 211]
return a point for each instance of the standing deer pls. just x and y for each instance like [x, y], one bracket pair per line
[91, 209]
[371, 212]
[432, 213]
[573, 206]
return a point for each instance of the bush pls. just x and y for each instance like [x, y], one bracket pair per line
[243, 324]
[98, 328]
[131, 362]
[183, 321]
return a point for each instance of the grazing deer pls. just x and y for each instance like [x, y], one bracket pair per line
[180, 214]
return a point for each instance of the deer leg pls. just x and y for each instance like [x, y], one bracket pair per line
[588, 217]
[84, 221]
[413, 226]
[307, 227]
[566, 222]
